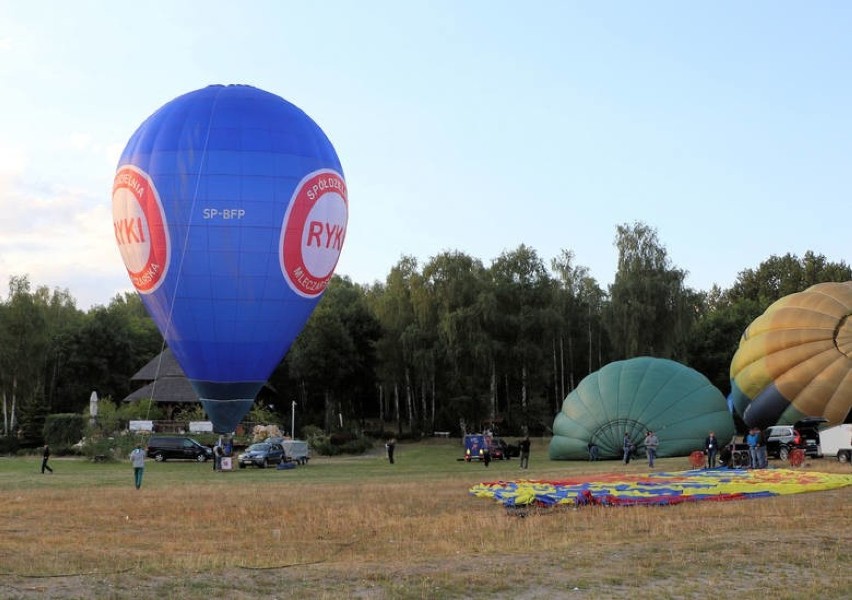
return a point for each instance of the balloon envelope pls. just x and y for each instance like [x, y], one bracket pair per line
[230, 212]
[633, 396]
[795, 360]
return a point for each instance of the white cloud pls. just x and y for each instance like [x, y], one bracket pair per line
[60, 237]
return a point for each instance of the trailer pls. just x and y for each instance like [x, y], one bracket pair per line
[297, 451]
[837, 441]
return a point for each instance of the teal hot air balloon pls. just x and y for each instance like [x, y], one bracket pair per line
[634, 396]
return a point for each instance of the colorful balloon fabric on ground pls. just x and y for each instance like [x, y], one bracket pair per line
[230, 212]
[659, 488]
[634, 396]
[795, 360]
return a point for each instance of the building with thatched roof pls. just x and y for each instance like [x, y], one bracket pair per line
[164, 382]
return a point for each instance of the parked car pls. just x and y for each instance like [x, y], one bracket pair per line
[500, 450]
[297, 451]
[513, 450]
[164, 447]
[475, 445]
[804, 434]
[261, 455]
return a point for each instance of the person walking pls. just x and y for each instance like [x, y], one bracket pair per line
[486, 455]
[390, 446]
[137, 459]
[651, 443]
[628, 448]
[45, 456]
[524, 445]
[711, 449]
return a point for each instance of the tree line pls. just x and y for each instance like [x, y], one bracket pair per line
[448, 344]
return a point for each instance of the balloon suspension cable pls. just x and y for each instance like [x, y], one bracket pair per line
[183, 251]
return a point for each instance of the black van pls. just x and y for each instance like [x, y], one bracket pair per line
[163, 447]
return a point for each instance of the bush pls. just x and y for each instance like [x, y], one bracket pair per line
[113, 447]
[63, 430]
[258, 414]
[380, 434]
[337, 444]
[9, 444]
[323, 446]
[194, 412]
[341, 438]
[357, 446]
[311, 431]
[141, 410]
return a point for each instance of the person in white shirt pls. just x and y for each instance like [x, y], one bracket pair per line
[137, 459]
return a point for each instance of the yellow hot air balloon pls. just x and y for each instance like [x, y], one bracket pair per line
[795, 360]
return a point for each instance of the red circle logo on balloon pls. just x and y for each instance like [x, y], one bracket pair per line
[140, 228]
[313, 232]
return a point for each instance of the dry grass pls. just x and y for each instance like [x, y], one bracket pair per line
[365, 534]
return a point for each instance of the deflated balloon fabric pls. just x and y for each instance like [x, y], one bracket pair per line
[659, 488]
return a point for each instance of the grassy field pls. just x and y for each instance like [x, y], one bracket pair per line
[361, 528]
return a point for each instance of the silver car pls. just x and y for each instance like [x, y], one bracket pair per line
[261, 455]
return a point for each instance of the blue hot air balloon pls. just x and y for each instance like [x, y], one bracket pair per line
[230, 212]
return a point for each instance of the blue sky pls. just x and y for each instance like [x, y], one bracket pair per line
[472, 126]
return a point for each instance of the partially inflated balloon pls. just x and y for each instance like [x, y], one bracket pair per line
[633, 396]
[795, 360]
[230, 211]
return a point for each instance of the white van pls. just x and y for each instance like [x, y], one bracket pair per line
[837, 441]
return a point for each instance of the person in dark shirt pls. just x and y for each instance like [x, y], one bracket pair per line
[525, 452]
[711, 449]
[45, 456]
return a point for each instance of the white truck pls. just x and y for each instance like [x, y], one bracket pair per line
[837, 441]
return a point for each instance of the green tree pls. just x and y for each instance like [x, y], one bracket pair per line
[716, 335]
[393, 307]
[25, 342]
[726, 314]
[348, 303]
[650, 310]
[524, 292]
[324, 357]
[103, 353]
[780, 276]
[448, 342]
[578, 298]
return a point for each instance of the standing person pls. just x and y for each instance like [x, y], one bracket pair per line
[751, 439]
[525, 452]
[390, 446]
[628, 447]
[45, 456]
[762, 458]
[137, 459]
[593, 451]
[651, 443]
[217, 455]
[711, 448]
